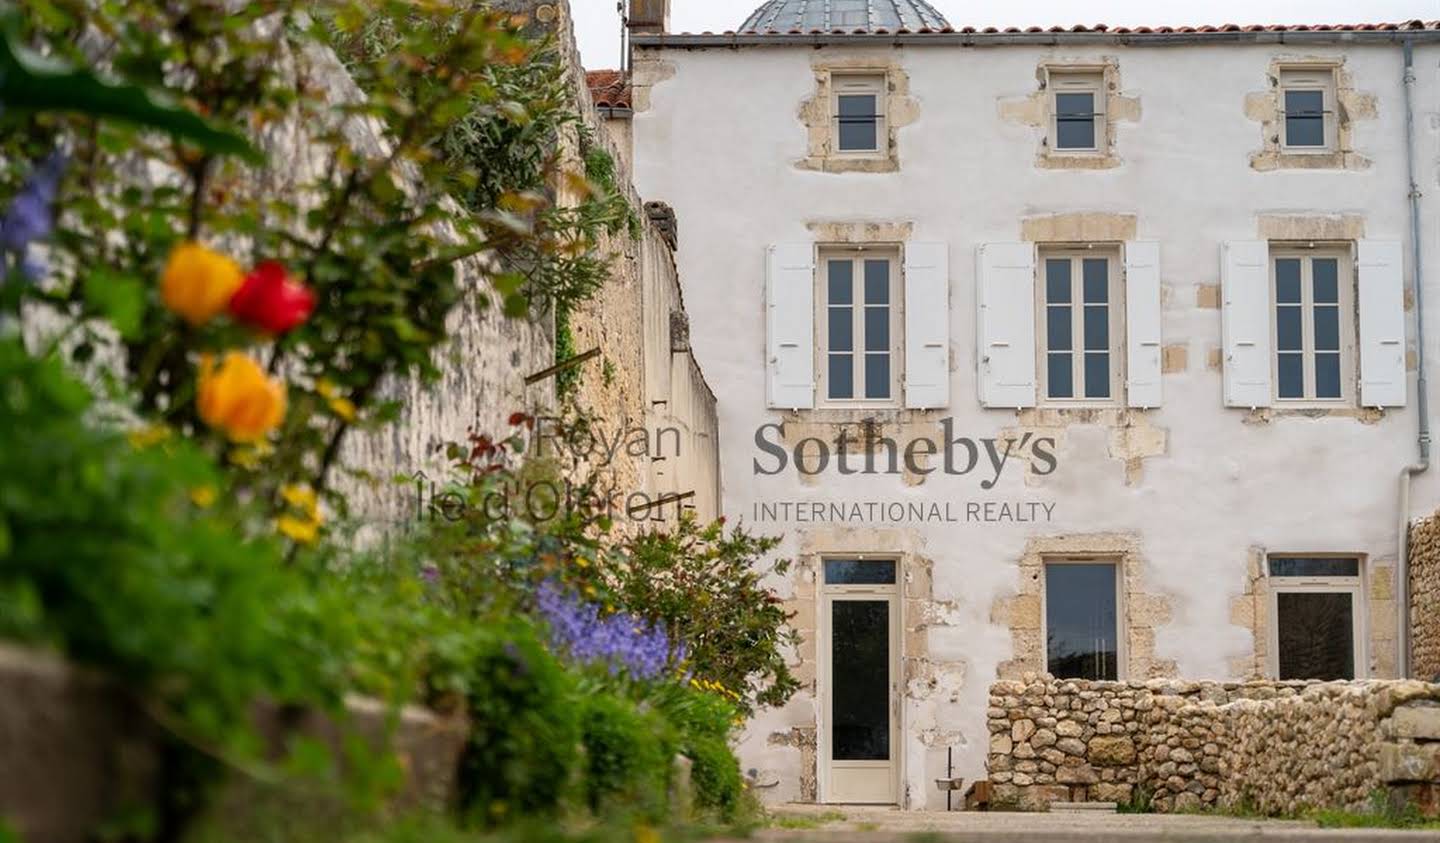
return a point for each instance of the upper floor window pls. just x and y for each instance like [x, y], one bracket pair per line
[1308, 102]
[1313, 346]
[860, 326]
[859, 122]
[1081, 317]
[1078, 110]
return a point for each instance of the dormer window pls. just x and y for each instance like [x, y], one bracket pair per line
[1078, 100]
[1308, 100]
[859, 114]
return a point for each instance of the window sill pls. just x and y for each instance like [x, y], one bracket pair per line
[852, 163]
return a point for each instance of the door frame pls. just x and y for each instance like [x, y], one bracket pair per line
[828, 594]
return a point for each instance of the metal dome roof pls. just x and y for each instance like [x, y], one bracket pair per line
[844, 15]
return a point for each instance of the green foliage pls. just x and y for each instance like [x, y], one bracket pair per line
[1383, 813]
[628, 753]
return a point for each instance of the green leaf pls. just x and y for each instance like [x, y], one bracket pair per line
[30, 81]
[119, 298]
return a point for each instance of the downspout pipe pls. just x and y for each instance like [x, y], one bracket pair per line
[1422, 403]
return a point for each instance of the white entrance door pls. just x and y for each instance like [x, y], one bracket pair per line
[860, 623]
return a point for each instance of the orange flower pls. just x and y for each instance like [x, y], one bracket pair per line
[238, 398]
[198, 283]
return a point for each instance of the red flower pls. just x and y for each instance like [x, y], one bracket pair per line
[272, 301]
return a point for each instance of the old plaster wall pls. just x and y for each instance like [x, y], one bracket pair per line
[1191, 486]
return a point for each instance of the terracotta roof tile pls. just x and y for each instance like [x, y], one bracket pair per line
[608, 88]
[1114, 30]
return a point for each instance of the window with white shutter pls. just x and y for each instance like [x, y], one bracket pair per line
[1142, 323]
[1381, 288]
[927, 325]
[1311, 298]
[1245, 291]
[858, 312]
[1080, 320]
[790, 326]
[1005, 335]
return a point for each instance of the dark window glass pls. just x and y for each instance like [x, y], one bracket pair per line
[1097, 375]
[1060, 375]
[1327, 328]
[1319, 566]
[1082, 640]
[842, 282]
[1074, 121]
[1304, 118]
[1288, 331]
[1097, 280]
[1059, 328]
[842, 329]
[1327, 375]
[860, 665]
[856, 572]
[1317, 635]
[877, 376]
[1291, 369]
[842, 376]
[1057, 281]
[877, 282]
[1097, 328]
[1287, 280]
[877, 329]
[1326, 272]
[857, 122]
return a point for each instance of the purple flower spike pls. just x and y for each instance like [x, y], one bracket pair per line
[621, 642]
[31, 217]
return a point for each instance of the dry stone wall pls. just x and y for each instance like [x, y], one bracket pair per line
[1425, 598]
[1277, 747]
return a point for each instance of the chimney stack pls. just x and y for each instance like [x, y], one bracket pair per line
[649, 16]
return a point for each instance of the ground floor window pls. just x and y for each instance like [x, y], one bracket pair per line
[1315, 617]
[1082, 632]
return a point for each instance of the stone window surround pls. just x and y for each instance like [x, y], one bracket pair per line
[1141, 611]
[1268, 109]
[817, 112]
[1037, 110]
[1378, 613]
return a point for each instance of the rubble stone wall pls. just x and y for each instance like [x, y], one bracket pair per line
[1276, 747]
[1425, 598]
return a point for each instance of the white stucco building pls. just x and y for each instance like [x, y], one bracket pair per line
[1155, 289]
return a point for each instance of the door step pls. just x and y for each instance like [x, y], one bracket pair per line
[1082, 807]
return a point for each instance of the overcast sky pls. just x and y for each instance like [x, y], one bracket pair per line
[597, 24]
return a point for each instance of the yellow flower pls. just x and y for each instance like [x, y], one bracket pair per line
[203, 496]
[339, 405]
[145, 437]
[198, 283]
[238, 398]
[295, 529]
[300, 496]
[646, 834]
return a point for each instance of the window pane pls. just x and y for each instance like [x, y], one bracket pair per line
[877, 376]
[1292, 376]
[877, 282]
[1075, 121]
[860, 701]
[1060, 376]
[1057, 281]
[842, 329]
[1287, 280]
[1097, 328]
[1097, 280]
[1317, 635]
[1080, 621]
[1059, 328]
[855, 572]
[1327, 375]
[857, 122]
[1319, 566]
[842, 376]
[1327, 328]
[1288, 333]
[877, 329]
[842, 282]
[1097, 375]
[1304, 118]
[1327, 280]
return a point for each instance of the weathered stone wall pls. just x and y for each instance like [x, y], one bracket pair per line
[1279, 747]
[1425, 598]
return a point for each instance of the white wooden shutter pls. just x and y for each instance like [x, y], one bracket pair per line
[1006, 331]
[927, 325]
[1382, 323]
[1245, 289]
[1142, 323]
[790, 326]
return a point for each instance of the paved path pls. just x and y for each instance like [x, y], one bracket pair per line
[870, 825]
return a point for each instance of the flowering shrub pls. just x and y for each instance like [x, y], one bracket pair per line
[619, 641]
